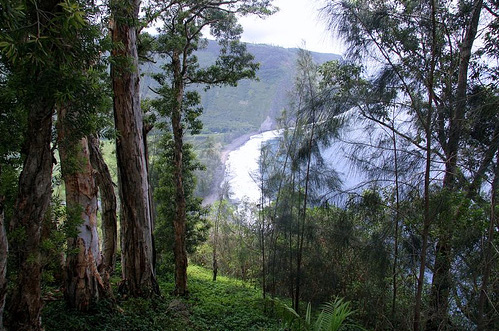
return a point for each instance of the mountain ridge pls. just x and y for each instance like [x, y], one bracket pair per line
[234, 111]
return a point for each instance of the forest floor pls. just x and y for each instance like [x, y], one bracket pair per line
[225, 304]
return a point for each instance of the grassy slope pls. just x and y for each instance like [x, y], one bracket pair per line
[227, 304]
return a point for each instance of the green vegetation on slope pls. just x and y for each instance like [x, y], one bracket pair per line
[227, 304]
[234, 111]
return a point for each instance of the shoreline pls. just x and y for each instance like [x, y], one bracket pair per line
[236, 143]
[220, 172]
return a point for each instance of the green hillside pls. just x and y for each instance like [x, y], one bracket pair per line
[234, 111]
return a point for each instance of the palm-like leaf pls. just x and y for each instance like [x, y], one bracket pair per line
[333, 315]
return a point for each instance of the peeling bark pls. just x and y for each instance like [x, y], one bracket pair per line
[32, 202]
[109, 208]
[84, 285]
[139, 277]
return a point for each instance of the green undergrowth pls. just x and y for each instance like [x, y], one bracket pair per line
[227, 304]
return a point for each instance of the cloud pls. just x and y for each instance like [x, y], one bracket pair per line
[296, 22]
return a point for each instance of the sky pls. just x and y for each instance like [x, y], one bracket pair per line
[297, 21]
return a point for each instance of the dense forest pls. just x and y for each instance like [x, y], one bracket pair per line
[104, 165]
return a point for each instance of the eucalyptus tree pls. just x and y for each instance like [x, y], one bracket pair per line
[107, 193]
[12, 125]
[45, 48]
[426, 51]
[184, 23]
[76, 120]
[138, 274]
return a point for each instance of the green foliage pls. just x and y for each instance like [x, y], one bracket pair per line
[236, 242]
[228, 304]
[164, 190]
[229, 111]
[333, 316]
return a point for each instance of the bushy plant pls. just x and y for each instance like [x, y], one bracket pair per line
[334, 316]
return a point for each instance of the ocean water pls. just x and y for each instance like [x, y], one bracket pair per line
[241, 168]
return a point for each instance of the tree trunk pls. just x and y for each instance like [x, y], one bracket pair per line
[179, 222]
[138, 274]
[427, 217]
[145, 131]
[261, 216]
[109, 211]
[215, 238]
[84, 285]
[489, 254]
[33, 199]
[310, 102]
[397, 226]
[4, 250]
[441, 282]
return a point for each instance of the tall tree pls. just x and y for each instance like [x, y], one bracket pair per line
[442, 279]
[4, 249]
[84, 284]
[428, 53]
[43, 48]
[196, 224]
[139, 277]
[184, 22]
[76, 120]
[109, 208]
[293, 186]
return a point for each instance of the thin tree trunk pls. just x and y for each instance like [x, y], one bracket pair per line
[262, 229]
[108, 205]
[489, 255]
[276, 206]
[33, 199]
[304, 220]
[427, 217]
[179, 222]
[311, 101]
[4, 250]
[146, 129]
[138, 273]
[290, 248]
[397, 226]
[273, 263]
[441, 282]
[215, 239]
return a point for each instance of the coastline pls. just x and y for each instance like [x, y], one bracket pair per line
[220, 172]
[236, 143]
